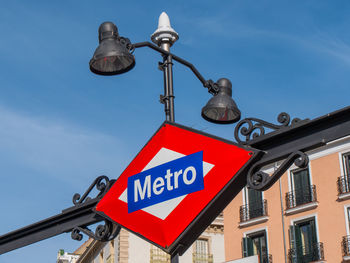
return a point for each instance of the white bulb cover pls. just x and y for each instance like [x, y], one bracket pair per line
[164, 32]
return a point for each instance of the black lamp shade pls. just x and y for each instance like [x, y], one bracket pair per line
[111, 56]
[221, 108]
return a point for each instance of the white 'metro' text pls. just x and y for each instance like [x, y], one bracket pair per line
[170, 182]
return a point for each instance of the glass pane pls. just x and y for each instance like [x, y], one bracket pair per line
[259, 246]
[305, 240]
[346, 159]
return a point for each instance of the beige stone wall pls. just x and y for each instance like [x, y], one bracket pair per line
[123, 256]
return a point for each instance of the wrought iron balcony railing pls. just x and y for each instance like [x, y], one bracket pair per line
[159, 256]
[266, 258]
[253, 210]
[343, 183]
[301, 196]
[345, 246]
[306, 254]
[202, 258]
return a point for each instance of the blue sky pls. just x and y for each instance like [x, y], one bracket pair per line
[61, 126]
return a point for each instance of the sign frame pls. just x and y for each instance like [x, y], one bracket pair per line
[215, 205]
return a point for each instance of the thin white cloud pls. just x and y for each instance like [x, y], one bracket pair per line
[333, 46]
[312, 39]
[58, 150]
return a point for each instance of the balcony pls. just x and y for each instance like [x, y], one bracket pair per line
[266, 258]
[202, 258]
[253, 213]
[263, 258]
[306, 254]
[345, 247]
[301, 200]
[159, 256]
[343, 184]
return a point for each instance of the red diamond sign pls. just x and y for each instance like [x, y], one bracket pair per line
[176, 179]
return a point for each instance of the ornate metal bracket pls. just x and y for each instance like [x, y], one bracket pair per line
[260, 180]
[103, 233]
[252, 128]
[102, 184]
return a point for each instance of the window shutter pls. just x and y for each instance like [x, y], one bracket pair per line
[292, 243]
[247, 247]
[292, 237]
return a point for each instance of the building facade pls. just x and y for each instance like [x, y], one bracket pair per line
[304, 217]
[64, 257]
[129, 248]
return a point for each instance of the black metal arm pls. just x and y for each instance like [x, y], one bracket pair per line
[75, 219]
[58, 224]
[209, 84]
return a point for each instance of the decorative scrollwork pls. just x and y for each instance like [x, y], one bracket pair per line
[260, 180]
[102, 184]
[103, 233]
[252, 128]
[76, 235]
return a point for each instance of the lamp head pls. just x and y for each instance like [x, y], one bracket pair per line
[221, 108]
[112, 56]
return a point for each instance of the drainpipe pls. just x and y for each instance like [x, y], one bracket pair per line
[282, 216]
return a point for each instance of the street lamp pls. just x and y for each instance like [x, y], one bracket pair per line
[221, 108]
[114, 56]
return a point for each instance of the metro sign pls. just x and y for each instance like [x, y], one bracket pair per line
[177, 184]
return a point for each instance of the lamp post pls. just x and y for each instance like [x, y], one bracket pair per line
[114, 56]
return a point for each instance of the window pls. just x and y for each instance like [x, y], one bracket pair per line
[202, 252]
[346, 239]
[304, 246]
[255, 205]
[344, 181]
[302, 190]
[256, 244]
